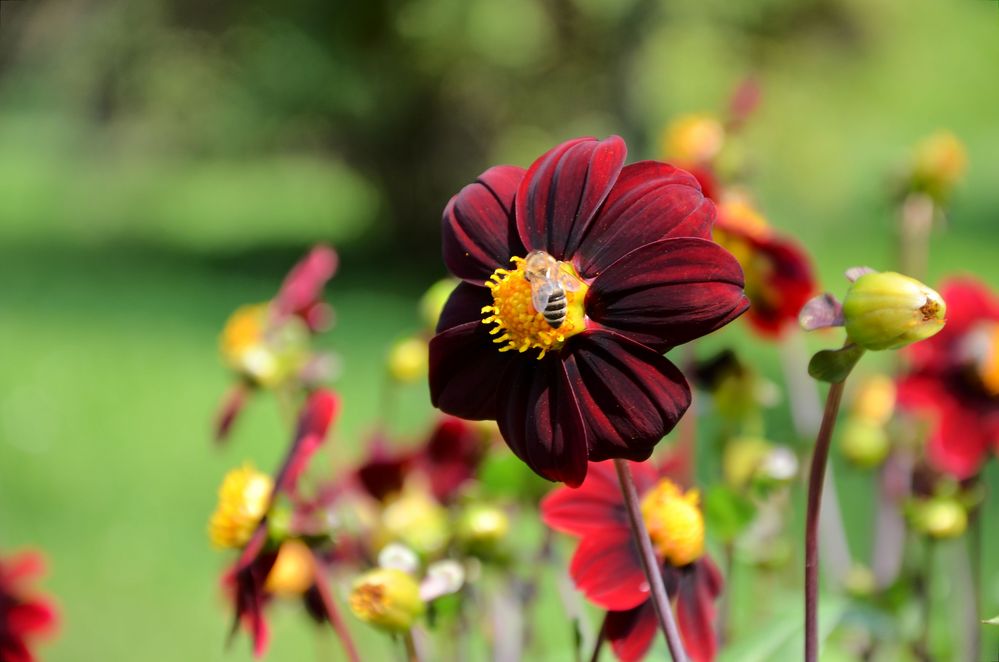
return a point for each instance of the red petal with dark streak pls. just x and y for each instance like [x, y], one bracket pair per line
[606, 568]
[669, 292]
[562, 191]
[650, 201]
[631, 632]
[630, 396]
[695, 609]
[479, 233]
[596, 505]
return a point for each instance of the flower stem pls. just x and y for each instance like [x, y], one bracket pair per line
[659, 597]
[816, 478]
[333, 614]
[411, 653]
[601, 638]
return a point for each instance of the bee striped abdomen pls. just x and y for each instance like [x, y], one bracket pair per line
[556, 309]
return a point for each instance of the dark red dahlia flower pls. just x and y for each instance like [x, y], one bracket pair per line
[779, 278]
[953, 380]
[23, 615]
[620, 262]
[607, 568]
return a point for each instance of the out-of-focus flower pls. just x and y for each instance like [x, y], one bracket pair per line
[939, 517]
[938, 165]
[953, 381]
[268, 345]
[629, 249]
[387, 598]
[738, 392]
[778, 272]
[407, 360]
[433, 300]
[606, 566]
[482, 528]
[693, 140]
[24, 615]
[864, 439]
[294, 570]
[244, 497]
[886, 310]
[418, 521]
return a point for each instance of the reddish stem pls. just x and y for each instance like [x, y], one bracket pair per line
[816, 478]
[650, 564]
[336, 620]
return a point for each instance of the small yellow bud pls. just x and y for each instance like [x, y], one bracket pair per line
[293, 572]
[886, 310]
[941, 517]
[387, 598]
[243, 500]
[741, 459]
[860, 581]
[693, 138]
[675, 523]
[417, 521]
[408, 360]
[874, 399]
[433, 300]
[940, 162]
[863, 443]
[264, 355]
[482, 527]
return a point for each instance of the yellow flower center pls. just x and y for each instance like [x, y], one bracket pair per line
[387, 598]
[243, 500]
[694, 139]
[675, 523]
[984, 348]
[294, 570]
[518, 325]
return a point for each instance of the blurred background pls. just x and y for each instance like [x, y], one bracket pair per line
[163, 162]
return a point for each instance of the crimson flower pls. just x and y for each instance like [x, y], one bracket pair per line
[779, 277]
[22, 615]
[630, 249]
[607, 568]
[953, 380]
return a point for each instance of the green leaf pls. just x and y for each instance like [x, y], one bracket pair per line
[782, 637]
[727, 512]
[833, 365]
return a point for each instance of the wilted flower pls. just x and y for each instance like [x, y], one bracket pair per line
[886, 310]
[953, 380]
[779, 278]
[23, 615]
[606, 566]
[628, 250]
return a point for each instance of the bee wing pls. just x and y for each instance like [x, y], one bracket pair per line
[566, 280]
[541, 291]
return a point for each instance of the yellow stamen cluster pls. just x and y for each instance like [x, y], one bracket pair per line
[693, 138]
[518, 325]
[988, 361]
[293, 572]
[243, 500]
[386, 598]
[675, 522]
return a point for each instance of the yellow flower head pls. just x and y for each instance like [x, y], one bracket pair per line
[675, 522]
[243, 500]
[694, 138]
[293, 572]
[387, 598]
[266, 355]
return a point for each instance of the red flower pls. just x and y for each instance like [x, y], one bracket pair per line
[606, 565]
[302, 290]
[779, 278]
[22, 615]
[954, 380]
[629, 248]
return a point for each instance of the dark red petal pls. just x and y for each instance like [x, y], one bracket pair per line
[313, 424]
[232, 404]
[594, 505]
[788, 283]
[451, 456]
[31, 617]
[479, 233]
[304, 284]
[540, 420]
[466, 369]
[669, 292]
[649, 202]
[607, 569]
[562, 191]
[384, 471]
[629, 395]
[631, 632]
[957, 442]
[21, 567]
[695, 609]
[15, 650]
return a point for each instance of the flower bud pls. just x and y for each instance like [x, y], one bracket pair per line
[939, 163]
[860, 581]
[940, 517]
[886, 310]
[693, 139]
[293, 572]
[742, 458]
[874, 399]
[407, 360]
[482, 527]
[243, 500]
[417, 521]
[433, 300]
[387, 598]
[863, 443]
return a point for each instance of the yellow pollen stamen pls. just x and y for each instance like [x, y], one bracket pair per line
[520, 325]
[675, 522]
[243, 500]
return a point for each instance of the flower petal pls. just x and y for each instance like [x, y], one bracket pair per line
[465, 366]
[314, 422]
[669, 292]
[607, 569]
[593, 506]
[699, 586]
[562, 191]
[541, 422]
[479, 233]
[304, 284]
[650, 201]
[629, 395]
[631, 632]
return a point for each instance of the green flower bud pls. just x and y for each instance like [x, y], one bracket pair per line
[482, 527]
[940, 517]
[886, 310]
[417, 521]
[433, 300]
[863, 443]
[407, 360]
[860, 581]
[742, 458]
[387, 598]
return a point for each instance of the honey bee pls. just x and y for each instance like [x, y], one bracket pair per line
[549, 283]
